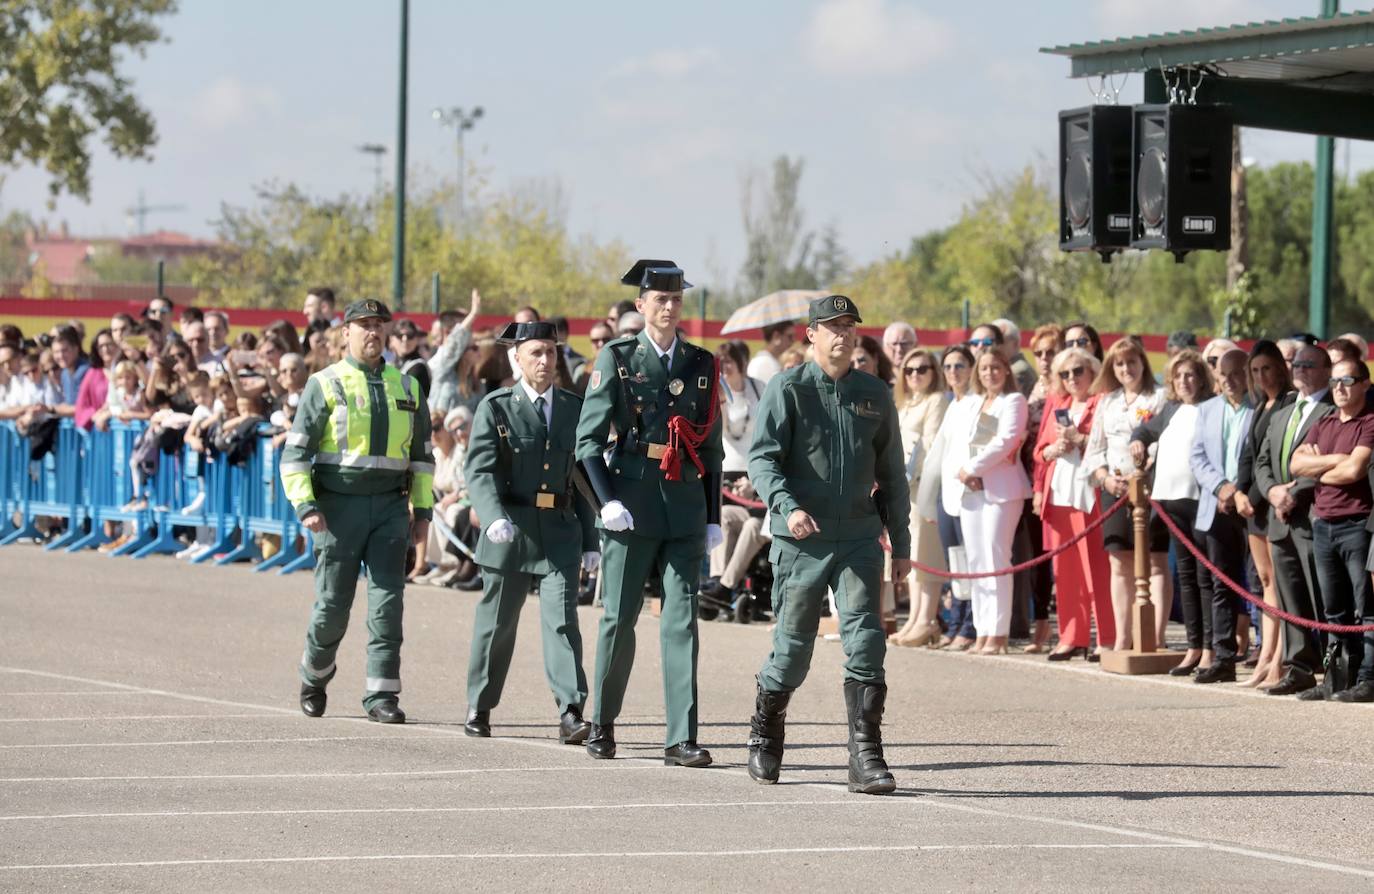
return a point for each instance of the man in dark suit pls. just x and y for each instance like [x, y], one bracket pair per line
[1290, 524]
[536, 526]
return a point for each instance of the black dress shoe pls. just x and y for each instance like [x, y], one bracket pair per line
[1079, 652]
[1183, 670]
[478, 725]
[1293, 682]
[386, 712]
[1360, 692]
[601, 741]
[313, 700]
[1315, 694]
[572, 729]
[467, 585]
[686, 754]
[1220, 672]
[1094, 657]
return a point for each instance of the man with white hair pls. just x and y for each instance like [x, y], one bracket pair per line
[898, 339]
[1025, 374]
[631, 322]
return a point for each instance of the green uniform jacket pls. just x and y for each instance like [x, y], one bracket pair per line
[820, 445]
[638, 407]
[506, 473]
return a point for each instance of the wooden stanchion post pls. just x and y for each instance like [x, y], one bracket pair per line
[1145, 657]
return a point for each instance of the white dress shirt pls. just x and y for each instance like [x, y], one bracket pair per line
[548, 400]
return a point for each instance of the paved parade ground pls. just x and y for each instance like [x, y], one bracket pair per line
[150, 740]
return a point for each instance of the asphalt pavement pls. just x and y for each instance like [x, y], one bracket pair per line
[150, 740]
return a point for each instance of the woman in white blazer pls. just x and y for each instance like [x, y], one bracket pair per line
[983, 482]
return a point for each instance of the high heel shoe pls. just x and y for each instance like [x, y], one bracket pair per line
[1076, 652]
[1184, 670]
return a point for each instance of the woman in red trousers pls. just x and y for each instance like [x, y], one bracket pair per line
[1066, 502]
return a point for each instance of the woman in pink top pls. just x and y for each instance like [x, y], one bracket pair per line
[95, 387]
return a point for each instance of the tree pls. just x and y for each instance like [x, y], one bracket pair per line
[61, 84]
[776, 243]
[516, 252]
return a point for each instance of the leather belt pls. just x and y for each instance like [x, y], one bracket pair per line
[540, 501]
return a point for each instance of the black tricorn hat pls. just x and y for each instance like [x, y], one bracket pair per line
[661, 276]
[515, 333]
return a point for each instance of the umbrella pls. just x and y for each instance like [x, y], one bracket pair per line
[777, 307]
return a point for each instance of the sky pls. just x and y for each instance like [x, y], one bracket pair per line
[645, 117]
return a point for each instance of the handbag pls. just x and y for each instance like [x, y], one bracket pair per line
[1336, 664]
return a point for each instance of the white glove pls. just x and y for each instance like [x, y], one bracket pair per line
[616, 517]
[501, 531]
[714, 537]
[590, 560]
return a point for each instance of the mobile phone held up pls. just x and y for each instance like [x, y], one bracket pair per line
[1062, 417]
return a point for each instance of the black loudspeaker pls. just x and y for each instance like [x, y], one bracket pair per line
[1095, 179]
[1182, 196]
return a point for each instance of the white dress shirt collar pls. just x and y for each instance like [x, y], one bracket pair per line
[533, 396]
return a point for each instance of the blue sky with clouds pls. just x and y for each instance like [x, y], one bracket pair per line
[646, 116]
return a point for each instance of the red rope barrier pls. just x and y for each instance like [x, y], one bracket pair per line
[741, 501]
[1038, 560]
[1245, 594]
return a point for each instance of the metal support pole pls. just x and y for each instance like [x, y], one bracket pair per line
[161, 278]
[1319, 289]
[398, 255]
[965, 314]
[434, 293]
[701, 305]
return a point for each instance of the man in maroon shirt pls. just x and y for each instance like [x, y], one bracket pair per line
[1337, 453]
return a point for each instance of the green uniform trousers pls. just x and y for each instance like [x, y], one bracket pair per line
[802, 572]
[627, 559]
[362, 529]
[493, 636]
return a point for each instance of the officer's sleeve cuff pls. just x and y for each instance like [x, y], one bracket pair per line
[425, 513]
[787, 506]
[305, 509]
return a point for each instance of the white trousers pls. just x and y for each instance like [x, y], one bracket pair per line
[989, 529]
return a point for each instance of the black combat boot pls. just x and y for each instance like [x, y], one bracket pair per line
[766, 734]
[868, 773]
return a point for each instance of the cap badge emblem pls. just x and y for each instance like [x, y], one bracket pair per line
[840, 303]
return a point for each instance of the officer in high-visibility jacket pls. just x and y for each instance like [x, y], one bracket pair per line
[358, 458]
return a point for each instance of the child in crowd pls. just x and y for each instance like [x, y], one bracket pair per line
[125, 401]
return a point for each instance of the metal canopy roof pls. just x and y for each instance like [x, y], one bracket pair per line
[1335, 53]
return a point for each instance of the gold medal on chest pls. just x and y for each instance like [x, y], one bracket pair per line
[675, 387]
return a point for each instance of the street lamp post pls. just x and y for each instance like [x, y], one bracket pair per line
[460, 120]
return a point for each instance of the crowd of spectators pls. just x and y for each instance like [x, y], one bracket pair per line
[1260, 458]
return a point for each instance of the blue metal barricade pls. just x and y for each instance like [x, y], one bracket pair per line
[90, 478]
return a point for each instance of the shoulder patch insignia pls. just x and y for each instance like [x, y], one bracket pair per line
[595, 382]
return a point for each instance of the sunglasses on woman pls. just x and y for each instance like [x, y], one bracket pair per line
[1066, 374]
[1082, 342]
[916, 370]
[1047, 354]
[982, 342]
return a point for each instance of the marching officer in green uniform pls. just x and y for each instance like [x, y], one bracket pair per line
[659, 494]
[519, 474]
[825, 436]
[357, 459]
